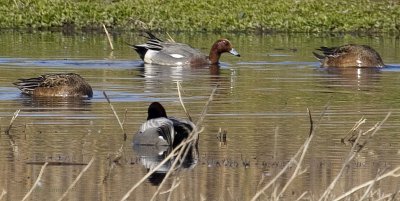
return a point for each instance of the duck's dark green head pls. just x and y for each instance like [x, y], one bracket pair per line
[156, 110]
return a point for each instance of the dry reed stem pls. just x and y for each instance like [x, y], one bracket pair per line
[301, 196]
[170, 171]
[385, 197]
[115, 160]
[393, 173]
[7, 131]
[36, 182]
[298, 165]
[174, 185]
[12, 121]
[371, 185]
[108, 37]
[170, 38]
[352, 154]
[193, 137]
[276, 132]
[178, 85]
[393, 197]
[301, 151]
[349, 158]
[116, 116]
[172, 154]
[77, 179]
[3, 193]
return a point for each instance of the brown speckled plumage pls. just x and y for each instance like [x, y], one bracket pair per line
[56, 85]
[350, 55]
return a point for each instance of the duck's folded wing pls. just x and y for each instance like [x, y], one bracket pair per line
[158, 131]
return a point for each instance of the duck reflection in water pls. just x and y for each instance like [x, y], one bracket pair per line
[151, 156]
[359, 78]
[157, 138]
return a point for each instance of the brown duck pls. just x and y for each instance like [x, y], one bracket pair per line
[55, 85]
[350, 55]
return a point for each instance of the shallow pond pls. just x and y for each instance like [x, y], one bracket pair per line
[261, 102]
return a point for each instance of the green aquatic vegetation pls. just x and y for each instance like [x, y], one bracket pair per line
[194, 15]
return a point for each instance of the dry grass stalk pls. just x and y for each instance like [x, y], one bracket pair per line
[354, 150]
[113, 161]
[174, 185]
[301, 196]
[76, 179]
[170, 171]
[176, 152]
[178, 84]
[302, 150]
[170, 38]
[108, 37]
[7, 131]
[36, 182]
[394, 195]
[171, 155]
[116, 116]
[368, 191]
[393, 173]
[350, 136]
[3, 193]
[191, 141]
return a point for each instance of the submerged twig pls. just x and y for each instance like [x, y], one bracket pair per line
[116, 116]
[178, 84]
[108, 37]
[36, 182]
[76, 179]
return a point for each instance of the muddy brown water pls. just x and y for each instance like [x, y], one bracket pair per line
[262, 104]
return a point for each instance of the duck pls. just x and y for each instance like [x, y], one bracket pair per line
[349, 55]
[156, 51]
[55, 85]
[161, 130]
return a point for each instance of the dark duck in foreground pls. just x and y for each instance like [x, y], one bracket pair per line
[350, 55]
[161, 130]
[156, 51]
[55, 85]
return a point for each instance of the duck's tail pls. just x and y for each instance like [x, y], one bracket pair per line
[318, 56]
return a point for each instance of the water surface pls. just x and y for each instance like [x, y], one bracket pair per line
[262, 104]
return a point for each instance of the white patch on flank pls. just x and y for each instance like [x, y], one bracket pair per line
[178, 56]
[359, 62]
[149, 55]
[161, 137]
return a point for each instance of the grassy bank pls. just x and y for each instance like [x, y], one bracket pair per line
[207, 15]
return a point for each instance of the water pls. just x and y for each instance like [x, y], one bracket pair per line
[262, 104]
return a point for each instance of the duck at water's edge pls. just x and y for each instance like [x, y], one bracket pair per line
[161, 130]
[350, 55]
[55, 85]
[156, 51]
